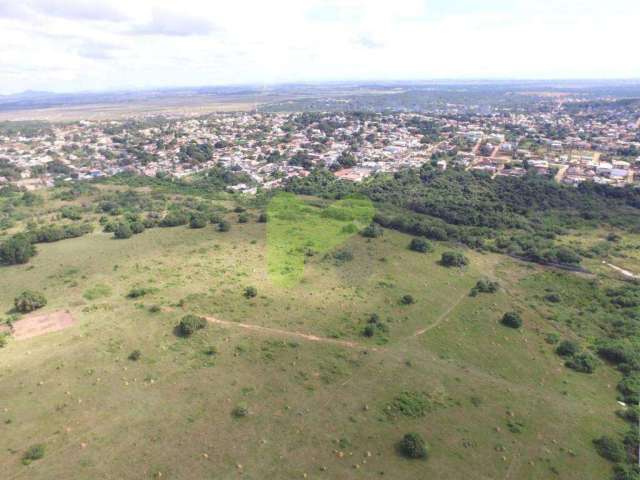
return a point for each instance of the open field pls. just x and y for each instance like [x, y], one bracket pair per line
[116, 111]
[497, 403]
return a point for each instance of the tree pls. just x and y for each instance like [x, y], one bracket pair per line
[454, 259]
[28, 301]
[413, 446]
[512, 320]
[122, 231]
[224, 226]
[190, 324]
[419, 245]
[198, 220]
[16, 250]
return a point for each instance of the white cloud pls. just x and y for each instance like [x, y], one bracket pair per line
[71, 45]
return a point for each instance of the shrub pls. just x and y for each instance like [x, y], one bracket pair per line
[154, 308]
[16, 250]
[138, 292]
[409, 404]
[342, 256]
[610, 448]
[369, 331]
[629, 387]
[250, 292]
[582, 362]
[484, 286]
[135, 355]
[224, 226]
[419, 245]
[413, 445]
[407, 300]
[198, 220]
[28, 301]
[242, 410]
[373, 230]
[137, 227]
[122, 231]
[34, 452]
[553, 298]
[4, 339]
[174, 219]
[190, 324]
[567, 348]
[263, 218]
[512, 320]
[243, 218]
[454, 259]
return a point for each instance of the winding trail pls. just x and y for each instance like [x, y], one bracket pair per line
[287, 333]
[624, 272]
[442, 318]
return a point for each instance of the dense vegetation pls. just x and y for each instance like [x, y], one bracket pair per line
[520, 216]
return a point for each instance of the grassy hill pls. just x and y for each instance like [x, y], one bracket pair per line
[491, 402]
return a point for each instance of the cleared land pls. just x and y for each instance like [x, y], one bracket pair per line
[496, 403]
[35, 325]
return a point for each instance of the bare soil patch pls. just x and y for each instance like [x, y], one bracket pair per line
[36, 325]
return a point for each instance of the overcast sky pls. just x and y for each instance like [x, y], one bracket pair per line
[72, 45]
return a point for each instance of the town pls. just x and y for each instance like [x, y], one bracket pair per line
[572, 141]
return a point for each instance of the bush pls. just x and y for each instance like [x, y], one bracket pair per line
[190, 324]
[137, 227]
[224, 226]
[369, 331]
[484, 286]
[16, 250]
[28, 301]
[567, 348]
[610, 448]
[138, 292]
[4, 339]
[413, 445]
[420, 245]
[198, 220]
[263, 218]
[372, 231]
[582, 362]
[35, 452]
[242, 410]
[407, 300]
[135, 355]
[511, 320]
[553, 298]
[243, 218]
[454, 259]
[250, 292]
[629, 387]
[122, 231]
[174, 219]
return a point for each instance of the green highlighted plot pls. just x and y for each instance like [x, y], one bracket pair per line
[297, 229]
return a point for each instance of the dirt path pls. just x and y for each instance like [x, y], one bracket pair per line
[287, 333]
[441, 318]
[624, 272]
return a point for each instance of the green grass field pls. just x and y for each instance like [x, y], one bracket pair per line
[496, 403]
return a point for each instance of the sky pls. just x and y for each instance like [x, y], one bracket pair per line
[98, 45]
